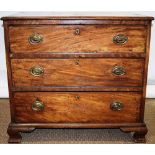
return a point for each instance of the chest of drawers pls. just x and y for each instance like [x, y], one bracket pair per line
[77, 72]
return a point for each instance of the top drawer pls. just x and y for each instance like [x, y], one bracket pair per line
[77, 38]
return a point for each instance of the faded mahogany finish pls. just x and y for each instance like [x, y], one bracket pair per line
[77, 87]
[63, 55]
[76, 22]
[92, 38]
[77, 72]
[77, 107]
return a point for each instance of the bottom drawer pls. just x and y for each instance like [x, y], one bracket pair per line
[77, 107]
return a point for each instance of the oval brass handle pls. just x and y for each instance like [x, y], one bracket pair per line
[116, 106]
[37, 106]
[35, 39]
[118, 71]
[37, 71]
[77, 31]
[120, 39]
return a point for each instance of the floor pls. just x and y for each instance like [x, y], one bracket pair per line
[77, 136]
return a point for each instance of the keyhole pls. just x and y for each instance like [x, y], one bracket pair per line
[77, 97]
[77, 62]
[77, 31]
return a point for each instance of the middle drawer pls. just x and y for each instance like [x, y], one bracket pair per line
[77, 72]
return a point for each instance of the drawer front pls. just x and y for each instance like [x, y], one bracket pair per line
[77, 72]
[100, 107]
[77, 38]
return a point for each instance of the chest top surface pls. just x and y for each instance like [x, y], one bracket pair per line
[77, 15]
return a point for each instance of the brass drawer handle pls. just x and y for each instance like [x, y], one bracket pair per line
[118, 71]
[35, 39]
[37, 71]
[37, 106]
[77, 31]
[120, 39]
[116, 106]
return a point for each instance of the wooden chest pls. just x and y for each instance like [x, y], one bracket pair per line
[77, 72]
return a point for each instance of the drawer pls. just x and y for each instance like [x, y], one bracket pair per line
[100, 107]
[77, 38]
[77, 72]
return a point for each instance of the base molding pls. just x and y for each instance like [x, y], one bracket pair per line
[14, 129]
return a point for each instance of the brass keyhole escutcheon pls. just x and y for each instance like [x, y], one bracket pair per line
[116, 106]
[77, 62]
[120, 39]
[37, 71]
[77, 31]
[77, 97]
[118, 71]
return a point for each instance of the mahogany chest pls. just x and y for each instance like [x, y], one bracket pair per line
[77, 71]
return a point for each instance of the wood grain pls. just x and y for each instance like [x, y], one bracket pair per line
[77, 65]
[88, 72]
[76, 22]
[146, 69]
[78, 125]
[77, 88]
[65, 107]
[64, 55]
[92, 38]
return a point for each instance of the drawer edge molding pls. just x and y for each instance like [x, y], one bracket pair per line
[76, 88]
[77, 22]
[65, 55]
